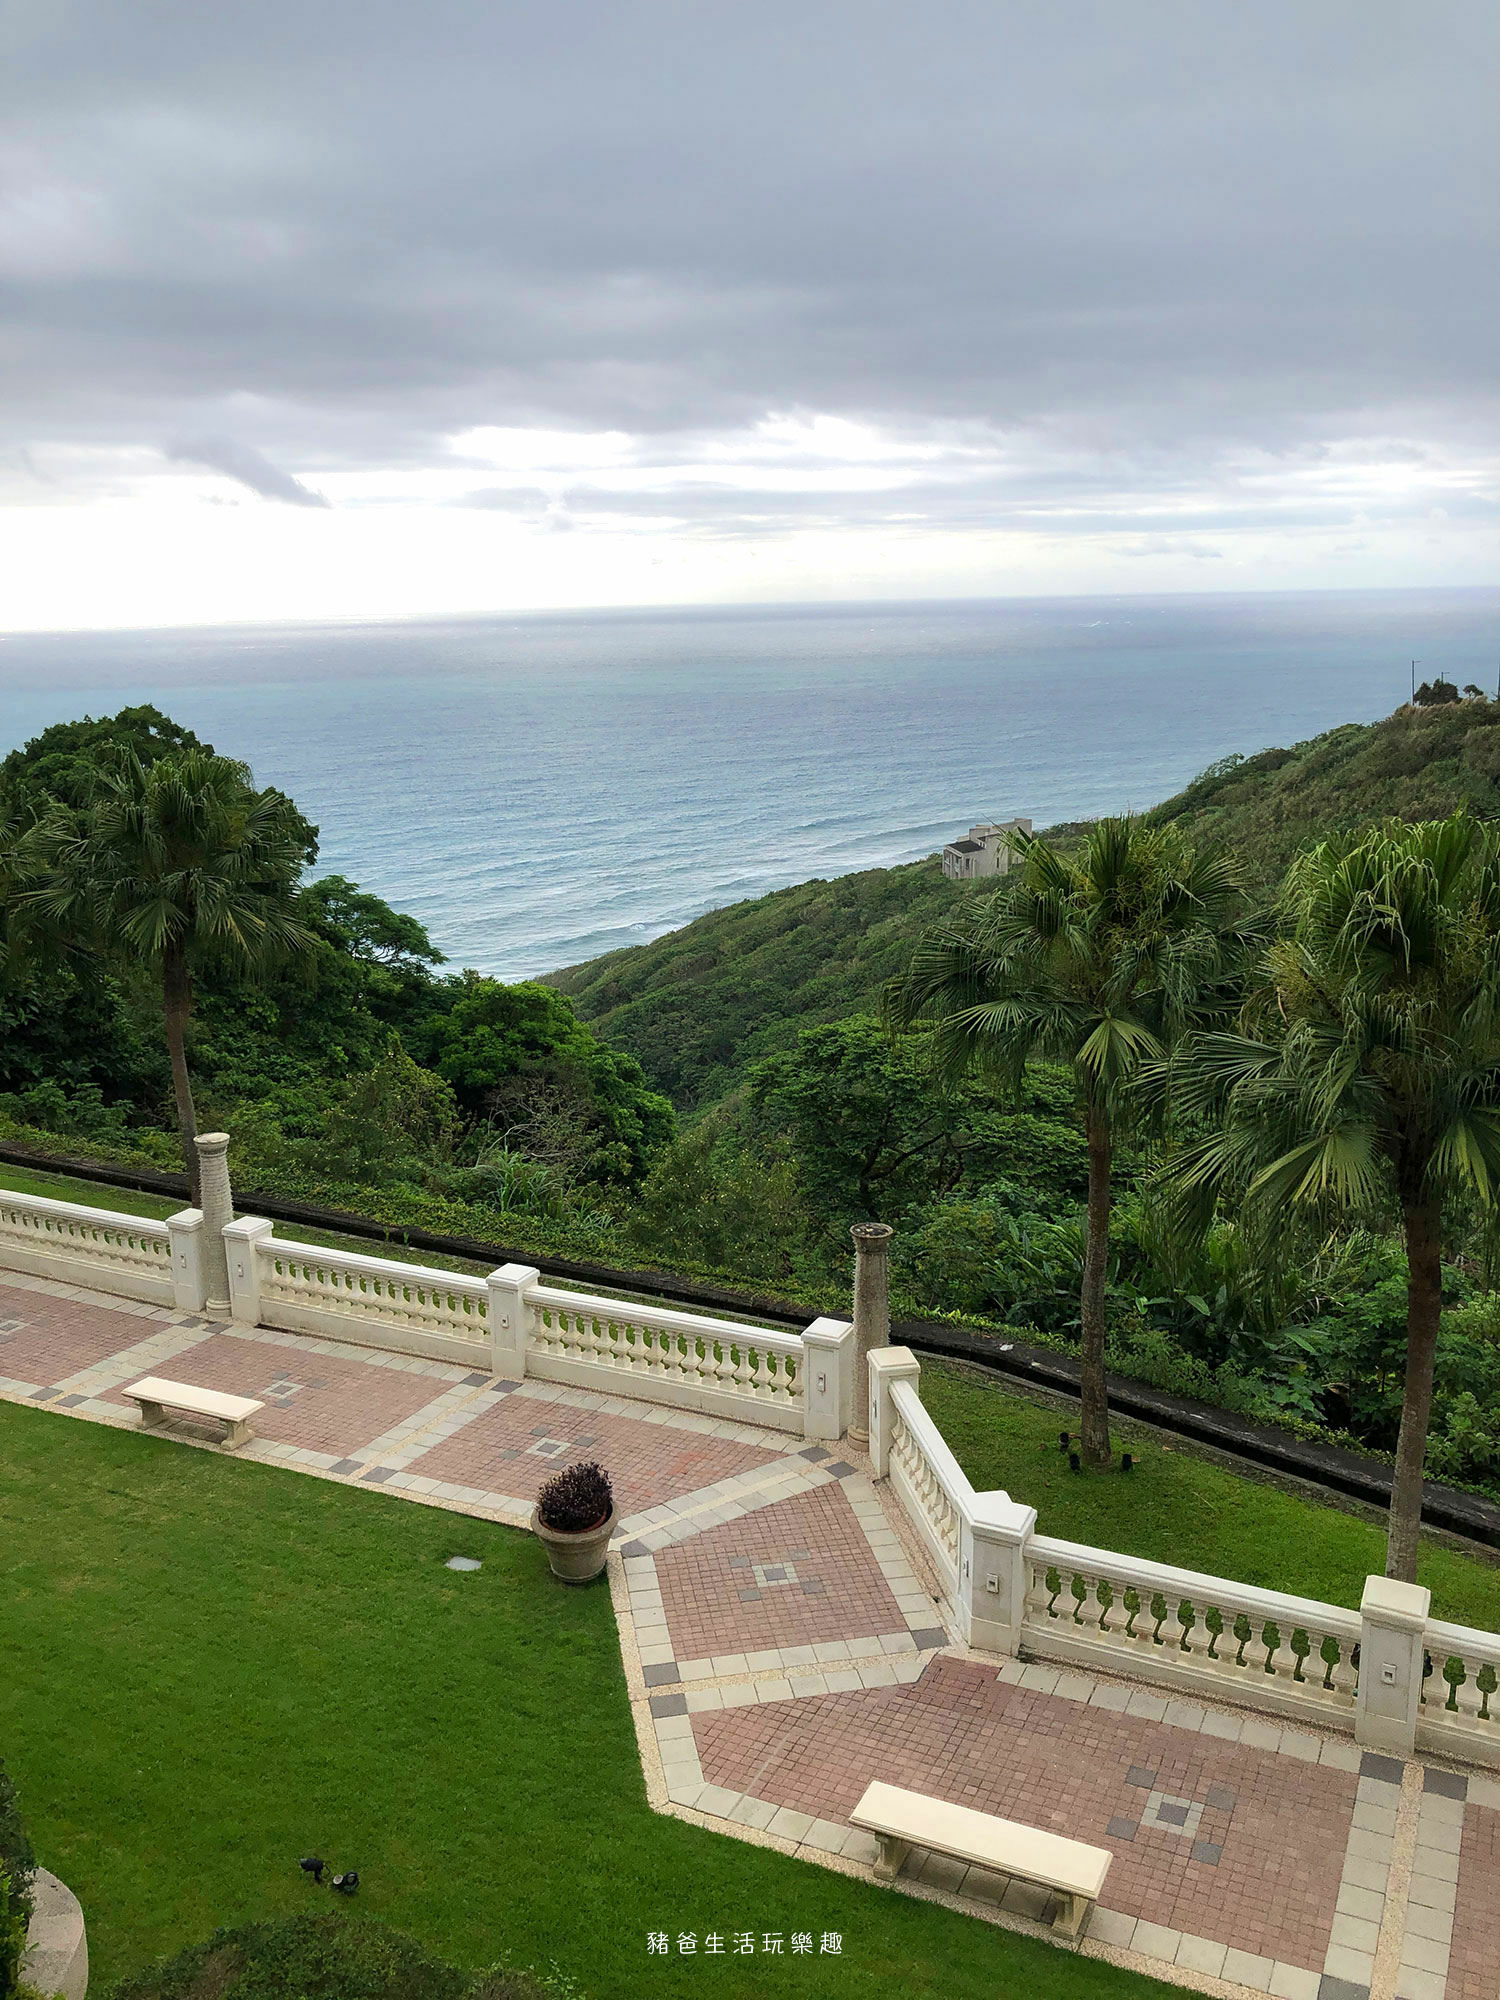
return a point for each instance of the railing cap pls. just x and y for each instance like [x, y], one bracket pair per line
[899, 1362]
[514, 1274]
[375, 1267]
[827, 1332]
[1387, 1601]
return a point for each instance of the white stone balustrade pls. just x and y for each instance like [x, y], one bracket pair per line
[129, 1255]
[1203, 1634]
[372, 1301]
[683, 1359]
[1394, 1677]
[1458, 1714]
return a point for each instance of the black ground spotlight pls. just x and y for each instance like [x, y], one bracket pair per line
[1064, 1439]
[1075, 1463]
[1127, 1463]
[346, 1884]
[313, 1864]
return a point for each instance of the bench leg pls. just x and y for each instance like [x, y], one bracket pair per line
[892, 1853]
[153, 1416]
[236, 1434]
[1070, 1913]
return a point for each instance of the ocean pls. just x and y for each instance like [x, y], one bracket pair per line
[541, 789]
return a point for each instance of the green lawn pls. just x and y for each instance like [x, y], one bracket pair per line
[212, 1667]
[1180, 1508]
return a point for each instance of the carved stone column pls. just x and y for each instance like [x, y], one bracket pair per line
[218, 1212]
[872, 1312]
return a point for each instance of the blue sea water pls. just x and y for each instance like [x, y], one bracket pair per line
[541, 789]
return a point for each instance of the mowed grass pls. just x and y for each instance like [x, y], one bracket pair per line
[1180, 1508]
[212, 1667]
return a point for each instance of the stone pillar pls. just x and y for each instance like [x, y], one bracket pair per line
[1394, 1619]
[827, 1379]
[992, 1581]
[887, 1366]
[510, 1319]
[242, 1242]
[186, 1231]
[218, 1213]
[872, 1312]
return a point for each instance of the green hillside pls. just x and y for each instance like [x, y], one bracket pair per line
[1420, 763]
[699, 1004]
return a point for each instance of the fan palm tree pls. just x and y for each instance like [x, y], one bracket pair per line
[1099, 959]
[1367, 1078]
[174, 865]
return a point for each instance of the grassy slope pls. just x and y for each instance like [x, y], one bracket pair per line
[216, 1666]
[699, 1004]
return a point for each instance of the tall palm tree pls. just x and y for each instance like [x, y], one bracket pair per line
[1098, 958]
[174, 865]
[1367, 1078]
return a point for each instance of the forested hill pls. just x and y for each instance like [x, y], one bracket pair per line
[699, 1004]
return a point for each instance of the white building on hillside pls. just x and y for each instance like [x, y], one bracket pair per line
[984, 852]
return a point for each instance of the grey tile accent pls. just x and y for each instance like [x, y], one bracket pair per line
[71, 1402]
[345, 1466]
[498, 1388]
[813, 1453]
[1209, 1852]
[635, 1549]
[1220, 1799]
[1330, 1988]
[378, 1475]
[840, 1469]
[750, 1597]
[40, 1395]
[669, 1704]
[929, 1636]
[1387, 1769]
[663, 1674]
[1141, 1778]
[477, 1381]
[1447, 1784]
[1121, 1829]
[739, 1562]
[813, 1587]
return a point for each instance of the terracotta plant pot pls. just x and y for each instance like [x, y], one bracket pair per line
[576, 1554]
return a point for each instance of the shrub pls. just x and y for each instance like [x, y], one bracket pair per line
[17, 1856]
[576, 1499]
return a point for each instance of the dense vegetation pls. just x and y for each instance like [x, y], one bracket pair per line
[357, 1069]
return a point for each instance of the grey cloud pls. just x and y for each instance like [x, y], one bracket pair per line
[250, 467]
[348, 231]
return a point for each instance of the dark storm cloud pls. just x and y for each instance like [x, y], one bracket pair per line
[346, 231]
[249, 467]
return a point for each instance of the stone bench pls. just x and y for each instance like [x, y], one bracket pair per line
[902, 1820]
[156, 1396]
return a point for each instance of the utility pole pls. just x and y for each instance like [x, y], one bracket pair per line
[1414, 665]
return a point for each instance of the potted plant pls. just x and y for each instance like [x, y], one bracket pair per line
[573, 1519]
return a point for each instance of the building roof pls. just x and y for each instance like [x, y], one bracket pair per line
[965, 847]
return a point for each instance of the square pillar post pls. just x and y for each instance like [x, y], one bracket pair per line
[827, 1378]
[186, 1231]
[242, 1242]
[993, 1573]
[510, 1319]
[1393, 1618]
[887, 1366]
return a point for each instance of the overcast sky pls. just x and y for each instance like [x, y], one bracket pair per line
[362, 307]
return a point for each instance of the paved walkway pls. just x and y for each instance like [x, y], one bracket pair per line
[784, 1646]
